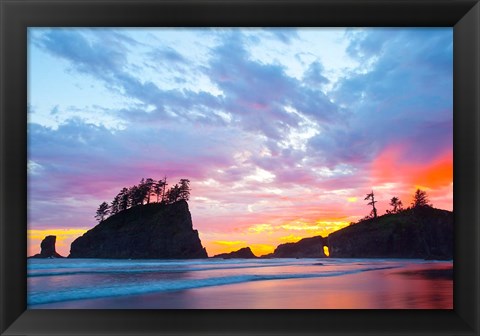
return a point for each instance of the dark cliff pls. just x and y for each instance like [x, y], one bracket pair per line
[416, 233]
[305, 248]
[243, 253]
[48, 248]
[148, 231]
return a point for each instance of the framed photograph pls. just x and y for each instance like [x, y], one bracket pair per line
[249, 167]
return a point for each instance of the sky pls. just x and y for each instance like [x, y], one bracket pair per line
[281, 131]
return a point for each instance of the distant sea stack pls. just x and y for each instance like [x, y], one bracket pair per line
[305, 248]
[151, 231]
[422, 232]
[243, 253]
[48, 248]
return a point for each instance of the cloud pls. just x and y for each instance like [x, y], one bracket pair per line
[403, 95]
[315, 75]
[284, 35]
[167, 54]
[101, 56]
[259, 94]
[390, 165]
[104, 57]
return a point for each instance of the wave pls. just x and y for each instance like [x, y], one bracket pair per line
[42, 264]
[172, 285]
[34, 273]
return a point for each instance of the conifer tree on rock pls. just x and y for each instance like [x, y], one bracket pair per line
[102, 211]
[420, 199]
[371, 197]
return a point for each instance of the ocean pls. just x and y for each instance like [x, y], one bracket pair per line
[323, 283]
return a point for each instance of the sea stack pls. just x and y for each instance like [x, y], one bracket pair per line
[48, 248]
[305, 248]
[150, 231]
[243, 253]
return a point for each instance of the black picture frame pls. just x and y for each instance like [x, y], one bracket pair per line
[17, 15]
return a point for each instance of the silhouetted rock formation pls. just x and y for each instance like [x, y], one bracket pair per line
[48, 248]
[423, 232]
[148, 231]
[305, 248]
[243, 253]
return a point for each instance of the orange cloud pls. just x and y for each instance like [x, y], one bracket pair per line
[390, 167]
[438, 174]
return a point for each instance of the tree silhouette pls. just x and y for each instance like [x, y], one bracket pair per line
[115, 205]
[420, 199]
[371, 197]
[148, 188]
[102, 211]
[184, 189]
[124, 196]
[173, 194]
[158, 189]
[136, 196]
[143, 192]
[396, 204]
[164, 189]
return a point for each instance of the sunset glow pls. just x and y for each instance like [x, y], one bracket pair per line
[282, 132]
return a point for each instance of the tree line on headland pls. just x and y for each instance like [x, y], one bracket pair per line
[147, 191]
[420, 199]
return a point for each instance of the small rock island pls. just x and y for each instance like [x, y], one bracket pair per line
[311, 247]
[243, 253]
[48, 248]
